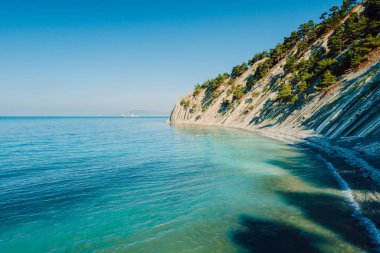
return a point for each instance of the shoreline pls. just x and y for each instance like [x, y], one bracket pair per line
[358, 212]
[359, 181]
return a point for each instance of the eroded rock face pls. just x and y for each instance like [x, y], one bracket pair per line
[350, 109]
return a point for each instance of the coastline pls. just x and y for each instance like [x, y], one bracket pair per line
[359, 180]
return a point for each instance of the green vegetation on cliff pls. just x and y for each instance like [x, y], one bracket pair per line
[308, 65]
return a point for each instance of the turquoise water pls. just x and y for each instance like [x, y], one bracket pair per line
[140, 185]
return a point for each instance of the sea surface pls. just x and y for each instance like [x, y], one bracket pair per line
[140, 185]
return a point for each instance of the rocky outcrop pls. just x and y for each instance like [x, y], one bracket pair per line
[350, 108]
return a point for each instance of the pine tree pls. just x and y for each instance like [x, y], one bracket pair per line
[285, 92]
[290, 65]
[327, 80]
[373, 9]
[257, 57]
[325, 64]
[239, 70]
[354, 26]
[263, 69]
[302, 45]
[359, 51]
[323, 16]
[336, 41]
[302, 86]
[373, 13]
[347, 5]
[305, 29]
[334, 18]
[237, 92]
[277, 53]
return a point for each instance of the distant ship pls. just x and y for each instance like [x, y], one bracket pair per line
[131, 115]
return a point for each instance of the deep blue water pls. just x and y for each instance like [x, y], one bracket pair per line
[140, 185]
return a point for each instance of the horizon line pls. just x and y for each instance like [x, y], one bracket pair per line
[81, 116]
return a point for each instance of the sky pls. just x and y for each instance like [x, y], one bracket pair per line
[100, 58]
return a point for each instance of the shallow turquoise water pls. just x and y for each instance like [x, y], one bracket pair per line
[140, 185]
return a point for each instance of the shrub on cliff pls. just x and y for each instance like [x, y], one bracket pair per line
[257, 57]
[373, 9]
[302, 46]
[197, 90]
[303, 76]
[325, 64]
[237, 93]
[355, 26]
[359, 51]
[302, 86]
[293, 99]
[277, 53]
[290, 41]
[285, 92]
[263, 69]
[185, 103]
[238, 70]
[226, 104]
[215, 94]
[336, 41]
[305, 29]
[291, 64]
[347, 6]
[215, 83]
[331, 19]
[327, 79]
[315, 57]
[372, 12]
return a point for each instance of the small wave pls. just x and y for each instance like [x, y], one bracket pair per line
[358, 213]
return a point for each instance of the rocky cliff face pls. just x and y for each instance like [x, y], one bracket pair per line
[351, 108]
[347, 109]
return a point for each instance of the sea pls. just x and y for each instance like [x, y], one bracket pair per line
[112, 184]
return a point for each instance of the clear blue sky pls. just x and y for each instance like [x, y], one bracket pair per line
[100, 57]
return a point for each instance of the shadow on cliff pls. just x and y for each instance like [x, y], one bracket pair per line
[207, 100]
[349, 108]
[273, 109]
